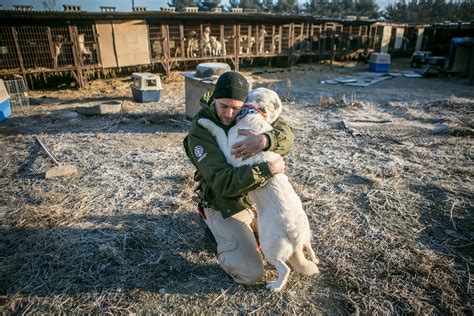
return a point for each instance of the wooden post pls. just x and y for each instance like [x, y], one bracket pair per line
[257, 42]
[183, 38]
[291, 42]
[273, 40]
[237, 46]
[52, 48]
[97, 46]
[249, 38]
[280, 30]
[76, 55]
[166, 49]
[320, 32]
[201, 47]
[333, 46]
[222, 38]
[18, 51]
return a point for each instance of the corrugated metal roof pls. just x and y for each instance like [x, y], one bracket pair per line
[197, 16]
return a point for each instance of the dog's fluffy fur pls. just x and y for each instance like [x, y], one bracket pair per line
[283, 226]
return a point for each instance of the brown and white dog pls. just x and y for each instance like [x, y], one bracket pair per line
[283, 226]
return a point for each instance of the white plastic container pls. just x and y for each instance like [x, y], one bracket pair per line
[5, 109]
[146, 87]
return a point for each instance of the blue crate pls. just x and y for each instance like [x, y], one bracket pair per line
[378, 67]
[5, 109]
[146, 95]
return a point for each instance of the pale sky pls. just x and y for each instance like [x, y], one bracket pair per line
[122, 5]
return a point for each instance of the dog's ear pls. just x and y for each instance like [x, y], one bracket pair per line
[278, 107]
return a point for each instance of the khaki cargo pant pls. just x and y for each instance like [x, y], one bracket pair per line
[236, 245]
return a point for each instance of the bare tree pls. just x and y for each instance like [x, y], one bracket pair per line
[247, 4]
[180, 4]
[49, 5]
[207, 5]
[429, 11]
[287, 6]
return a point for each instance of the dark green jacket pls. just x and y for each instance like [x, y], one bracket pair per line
[222, 186]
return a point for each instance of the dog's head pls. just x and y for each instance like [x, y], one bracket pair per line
[267, 101]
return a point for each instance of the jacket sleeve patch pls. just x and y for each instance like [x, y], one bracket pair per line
[199, 152]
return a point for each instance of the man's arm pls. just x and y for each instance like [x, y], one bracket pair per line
[279, 140]
[224, 180]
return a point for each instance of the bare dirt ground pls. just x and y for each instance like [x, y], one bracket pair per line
[387, 189]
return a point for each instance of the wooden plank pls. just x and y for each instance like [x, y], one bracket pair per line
[182, 38]
[273, 39]
[52, 48]
[281, 39]
[18, 51]
[237, 46]
[97, 50]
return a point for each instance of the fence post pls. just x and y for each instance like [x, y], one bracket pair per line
[237, 46]
[76, 54]
[166, 48]
[18, 52]
[182, 39]
[97, 50]
[52, 48]
[291, 42]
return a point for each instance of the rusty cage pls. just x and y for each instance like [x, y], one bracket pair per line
[41, 42]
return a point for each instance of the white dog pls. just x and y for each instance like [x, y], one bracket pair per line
[282, 223]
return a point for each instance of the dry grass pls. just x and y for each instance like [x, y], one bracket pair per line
[392, 223]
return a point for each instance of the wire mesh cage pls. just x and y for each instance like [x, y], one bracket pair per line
[316, 42]
[18, 93]
[229, 40]
[301, 40]
[192, 34]
[87, 44]
[264, 39]
[35, 47]
[8, 55]
[215, 40]
[155, 32]
[285, 38]
[61, 46]
[247, 40]
[174, 40]
[205, 40]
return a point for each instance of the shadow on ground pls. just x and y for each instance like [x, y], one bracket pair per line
[108, 253]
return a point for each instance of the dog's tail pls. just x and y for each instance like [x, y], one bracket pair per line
[303, 265]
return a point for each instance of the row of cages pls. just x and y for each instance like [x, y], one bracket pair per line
[39, 48]
[201, 41]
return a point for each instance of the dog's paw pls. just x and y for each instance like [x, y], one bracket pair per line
[204, 122]
[274, 287]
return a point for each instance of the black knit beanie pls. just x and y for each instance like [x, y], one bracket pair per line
[231, 85]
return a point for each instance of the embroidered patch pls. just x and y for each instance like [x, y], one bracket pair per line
[198, 151]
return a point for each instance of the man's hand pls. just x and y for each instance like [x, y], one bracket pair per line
[251, 145]
[277, 166]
